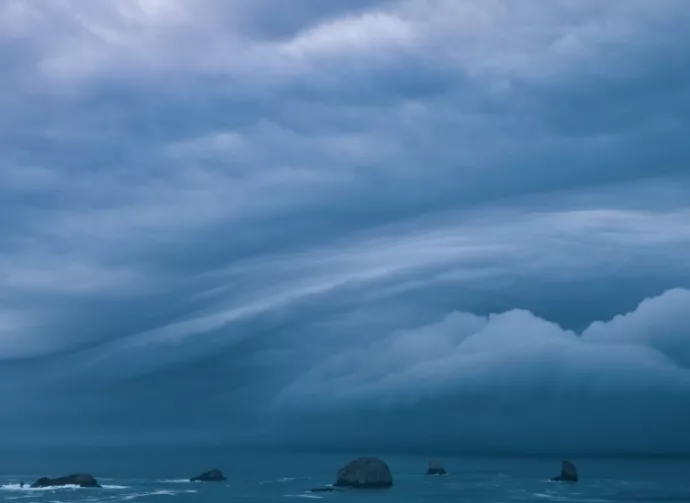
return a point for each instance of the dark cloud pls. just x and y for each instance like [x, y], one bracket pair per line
[248, 223]
[521, 383]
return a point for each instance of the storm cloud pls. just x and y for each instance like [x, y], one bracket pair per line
[464, 224]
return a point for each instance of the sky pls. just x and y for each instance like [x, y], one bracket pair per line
[414, 225]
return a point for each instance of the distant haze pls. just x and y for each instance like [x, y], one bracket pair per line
[452, 226]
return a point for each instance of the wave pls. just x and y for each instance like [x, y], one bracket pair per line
[153, 493]
[160, 492]
[570, 497]
[310, 496]
[17, 487]
[278, 481]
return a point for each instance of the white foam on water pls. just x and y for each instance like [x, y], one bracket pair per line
[176, 481]
[17, 487]
[310, 496]
[278, 481]
[12, 487]
[162, 492]
[555, 497]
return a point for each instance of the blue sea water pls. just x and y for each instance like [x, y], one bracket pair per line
[160, 475]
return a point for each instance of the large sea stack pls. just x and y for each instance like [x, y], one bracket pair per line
[568, 473]
[435, 468]
[365, 473]
[214, 475]
[78, 479]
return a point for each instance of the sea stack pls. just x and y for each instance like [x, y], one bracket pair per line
[214, 475]
[568, 473]
[365, 473]
[78, 479]
[435, 468]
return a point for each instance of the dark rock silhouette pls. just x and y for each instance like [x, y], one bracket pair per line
[214, 475]
[568, 473]
[365, 473]
[435, 468]
[79, 479]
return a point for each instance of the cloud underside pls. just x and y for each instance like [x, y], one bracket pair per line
[399, 225]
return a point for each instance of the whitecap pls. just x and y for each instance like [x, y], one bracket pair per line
[17, 487]
[154, 493]
[13, 487]
[310, 496]
[554, 497]
[278, 481]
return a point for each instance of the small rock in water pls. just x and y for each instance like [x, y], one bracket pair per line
[79, 479]
[568, 473]
[214, 475]
[435, 468]
[365, 473]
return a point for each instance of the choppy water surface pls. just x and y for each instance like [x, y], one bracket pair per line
[161, 476]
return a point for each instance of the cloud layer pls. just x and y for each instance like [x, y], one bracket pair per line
[509, 382]
[318, 212]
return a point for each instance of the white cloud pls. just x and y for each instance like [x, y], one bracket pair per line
[512, 351]
[510, 382]
[662, 323]
[363, 35]
[559, 246]
[492, 40]
[212, 145]
[65, 275]
[239, 179]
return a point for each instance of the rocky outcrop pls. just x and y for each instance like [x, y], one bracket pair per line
[214, 475]
[568, 473]
[365, 473]
[79, 479]
[435, 468]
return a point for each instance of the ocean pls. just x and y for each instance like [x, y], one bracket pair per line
[160, 475]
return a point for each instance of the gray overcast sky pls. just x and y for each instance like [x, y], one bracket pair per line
[412, 224]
